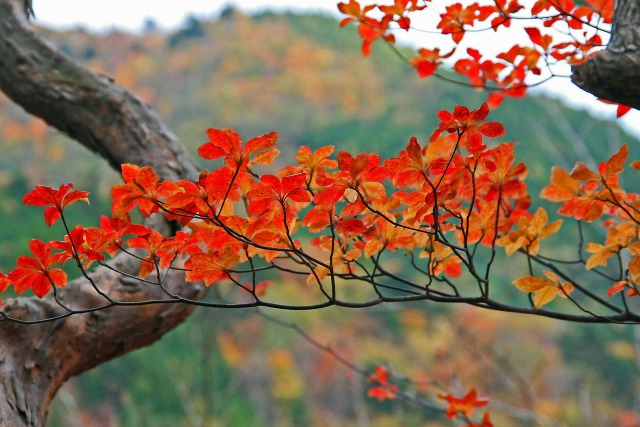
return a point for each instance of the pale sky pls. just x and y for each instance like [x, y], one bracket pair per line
[130, 14]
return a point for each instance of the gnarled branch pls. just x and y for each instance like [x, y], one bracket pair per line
[614, 73]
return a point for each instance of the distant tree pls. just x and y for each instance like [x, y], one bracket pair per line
[150, 25]
[459, 202]
[192, 29]
[228, 12]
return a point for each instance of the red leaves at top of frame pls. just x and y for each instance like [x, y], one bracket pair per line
[510, 70]
[560, 5]
[58, 199]
[369, 29]
[354, 10]
[456, 16]
[399, 9]
[316, 160]
[604, 8]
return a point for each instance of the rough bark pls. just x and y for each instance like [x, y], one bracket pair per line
[614, 73]
[35, 360]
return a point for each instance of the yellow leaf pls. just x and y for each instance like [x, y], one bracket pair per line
[551, 276]
[600, 255]
[351, 195]
[551, 228]
[531, 283]
[372, 247]
[634, 266]
[545, 290]
[635, 248]
[544, 296]
[567, 287]
[321, 272]
[539, 219]
[374, 189]
[511, 242]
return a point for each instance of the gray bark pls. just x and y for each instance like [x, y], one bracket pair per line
[614, 73]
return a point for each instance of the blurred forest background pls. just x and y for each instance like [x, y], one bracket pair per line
[303, 76]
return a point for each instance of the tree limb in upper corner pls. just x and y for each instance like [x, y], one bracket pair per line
[614, 73]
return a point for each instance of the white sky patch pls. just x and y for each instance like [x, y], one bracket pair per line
[131, 14]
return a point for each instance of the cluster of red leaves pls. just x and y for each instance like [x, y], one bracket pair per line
[382, 389]
[464, 407]
[231, 215]
[508, 71]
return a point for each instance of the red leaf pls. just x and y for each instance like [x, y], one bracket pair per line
[494, 100]
[59, 199]
[35, 272]
[622, 110]
[228, 144]
[465, 405]
[384, 389]
[140, 189]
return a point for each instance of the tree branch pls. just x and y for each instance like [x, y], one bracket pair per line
[614, 73]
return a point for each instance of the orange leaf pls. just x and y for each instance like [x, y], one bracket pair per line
[562, 187]
[582, 173]
[617, 287]
[545, 290]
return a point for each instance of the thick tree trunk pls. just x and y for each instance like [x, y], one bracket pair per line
[35, 360]
[614, 73]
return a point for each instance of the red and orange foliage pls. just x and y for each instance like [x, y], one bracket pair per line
[437, 204]
[568, 32]
[436, 201]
